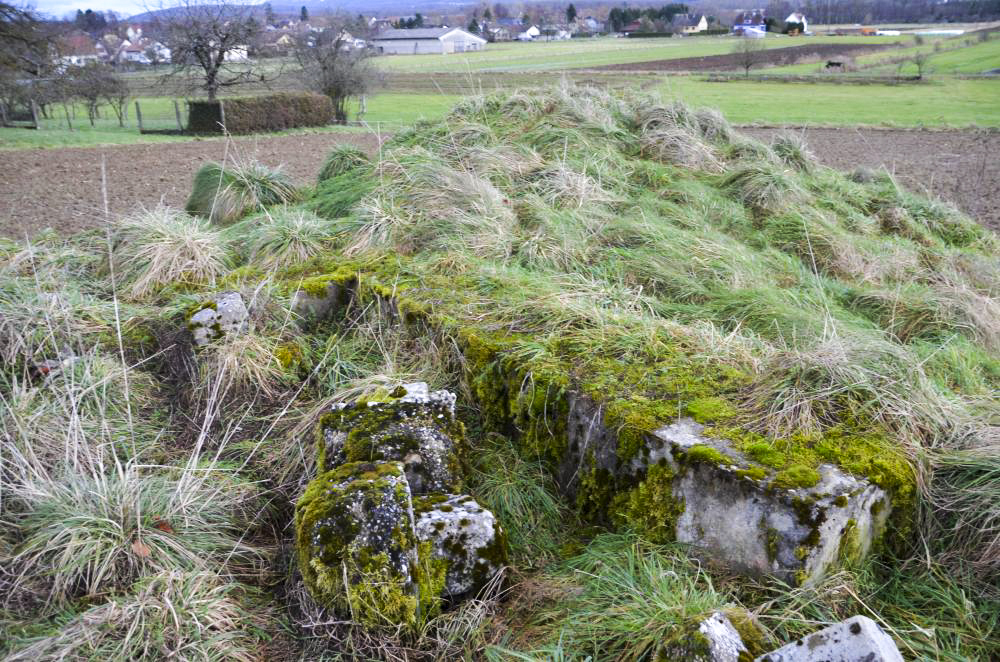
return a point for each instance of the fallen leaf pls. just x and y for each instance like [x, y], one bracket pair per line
[162, 525]
[140, 549]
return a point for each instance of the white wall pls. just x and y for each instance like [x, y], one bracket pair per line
[409, 46]
[460, 43]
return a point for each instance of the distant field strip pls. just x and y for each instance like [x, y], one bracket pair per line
[585, 53]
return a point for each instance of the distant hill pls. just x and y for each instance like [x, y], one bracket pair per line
[366, 7]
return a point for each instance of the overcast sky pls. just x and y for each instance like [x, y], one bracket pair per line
[58, 8]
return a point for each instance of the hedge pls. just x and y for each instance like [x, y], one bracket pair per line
[270, 112]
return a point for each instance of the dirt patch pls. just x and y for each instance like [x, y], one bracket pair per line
[773, 57]
[61, 188]
[958, 166]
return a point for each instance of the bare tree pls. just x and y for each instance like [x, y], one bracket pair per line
[210, 43]
[116, 94]
[749, 53]
[331, 64]
[93, 84]
[24, 41]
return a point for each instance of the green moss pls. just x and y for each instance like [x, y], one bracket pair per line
[754, 473]
[248, 273]
[860, 448]
[754, 638]
[651, 509]
[850, 549]
[766, 454]
[289, 355]
[840, 501]
[795, 476]
[431, 574]
[711, 409]
[772, 537]
[700, 453]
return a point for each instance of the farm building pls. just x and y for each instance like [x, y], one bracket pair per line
[427, 40]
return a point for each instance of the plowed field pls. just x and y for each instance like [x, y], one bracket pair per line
[770, 57]
[61, 188]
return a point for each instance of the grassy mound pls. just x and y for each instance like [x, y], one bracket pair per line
[614, 237]
[533, 244]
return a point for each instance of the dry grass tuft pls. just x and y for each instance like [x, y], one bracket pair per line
[163, 247]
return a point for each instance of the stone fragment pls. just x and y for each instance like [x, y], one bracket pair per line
[795, 533]
[724, 642]
[318, 301]
[225, 314]
[356, 545]
[465, 536]
[858, 639]
[713, 639]
[411, 425]
[732, 509]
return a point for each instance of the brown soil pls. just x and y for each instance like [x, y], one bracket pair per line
[61, 188]
[772, 57]
[957, 166]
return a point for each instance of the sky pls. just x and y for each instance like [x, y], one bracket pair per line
[58, 8]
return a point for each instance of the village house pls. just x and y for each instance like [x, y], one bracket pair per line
[77, 50]
[798, 17]
[427, 41]
[750, 23]
[690, 23]
[530, 34]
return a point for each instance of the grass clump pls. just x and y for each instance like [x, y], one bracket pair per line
[623, 597]
[522, 496]
[226, 193]
[162, 248]
[763, 187]
[82, 534]
[195, 614]
[342, 159]
[284, 237]
[791, 148]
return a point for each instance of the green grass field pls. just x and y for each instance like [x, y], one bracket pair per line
[425, 86]
[943, 103]
[959, 55]
[940, 103]
[584, 53]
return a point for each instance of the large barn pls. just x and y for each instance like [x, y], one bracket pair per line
[427, 40]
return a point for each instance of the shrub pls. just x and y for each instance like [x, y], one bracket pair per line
[162, 247]
[226, 194]
[204, 117]
[343, 158]
[271, 112]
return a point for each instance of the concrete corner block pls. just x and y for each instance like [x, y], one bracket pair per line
[858, 639]
[796, 534]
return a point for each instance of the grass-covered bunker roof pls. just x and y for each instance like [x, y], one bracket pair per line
[653, 257]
